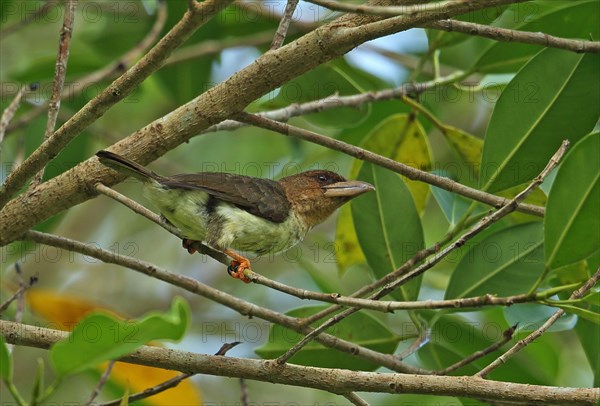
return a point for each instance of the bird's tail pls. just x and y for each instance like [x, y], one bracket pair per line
[125, 166]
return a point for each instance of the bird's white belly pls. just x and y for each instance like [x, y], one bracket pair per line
[249, 233]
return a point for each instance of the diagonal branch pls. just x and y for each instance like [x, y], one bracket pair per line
[114, 93]
[284, 24]
[365, 155]
[239, 305]
[579, 293]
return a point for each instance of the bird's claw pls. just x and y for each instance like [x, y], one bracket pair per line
[236, 270]
[188, 245]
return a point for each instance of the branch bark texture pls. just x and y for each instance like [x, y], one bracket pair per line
[338, 381]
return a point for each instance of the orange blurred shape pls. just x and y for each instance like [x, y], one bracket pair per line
[64, 311]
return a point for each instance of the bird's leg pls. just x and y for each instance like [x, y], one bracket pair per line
[238, 266]
[188, 245]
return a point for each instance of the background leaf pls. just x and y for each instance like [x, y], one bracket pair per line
[400, 138]
[5, 361]
[572, 19]
[359, 328]
[388, 226]
[507, 262]
[572, 221]
[533, 115]
[100, 337]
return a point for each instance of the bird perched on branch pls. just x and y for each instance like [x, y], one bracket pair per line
[248, 214]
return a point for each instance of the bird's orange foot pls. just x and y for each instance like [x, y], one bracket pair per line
[238, 266]
[188, 245]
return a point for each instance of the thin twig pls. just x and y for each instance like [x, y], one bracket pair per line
[391, 306]
[11, 109]
[168, 384]
[284, 24]
[337, 101]
[18, 295]
[508, 35]
[355, 399]
[540, 331]
[64, 46]
[506, 337]
[395, 166]
[244, 395]
[385, 10]
[150, 215]
[146, 393]
[480, 226]
[101, 383]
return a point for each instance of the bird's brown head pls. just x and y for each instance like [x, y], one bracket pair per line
[315, 195]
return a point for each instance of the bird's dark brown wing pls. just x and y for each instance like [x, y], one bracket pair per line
[262, 197]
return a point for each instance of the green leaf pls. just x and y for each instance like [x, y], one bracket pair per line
[100, 337]
[531, 316]
[536, 112]
[388, 226]
[572, 223]
[5, 361]
[38, 386]
[507, 262]
[575, 19]
[359, 328]
[584, 313]
[402, 139]
[453, 339]
[589, 336]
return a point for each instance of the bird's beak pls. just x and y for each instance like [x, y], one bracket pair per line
[349, 188]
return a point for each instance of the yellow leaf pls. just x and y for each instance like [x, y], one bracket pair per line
[467, 146]
[63, 310]
[138, 377]
[537, 197]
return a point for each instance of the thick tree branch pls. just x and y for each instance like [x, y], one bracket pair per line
[220, 102]
[338, 381]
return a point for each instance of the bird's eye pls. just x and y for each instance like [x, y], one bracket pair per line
[322, 178]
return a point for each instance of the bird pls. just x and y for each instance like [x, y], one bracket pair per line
[231, 212]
